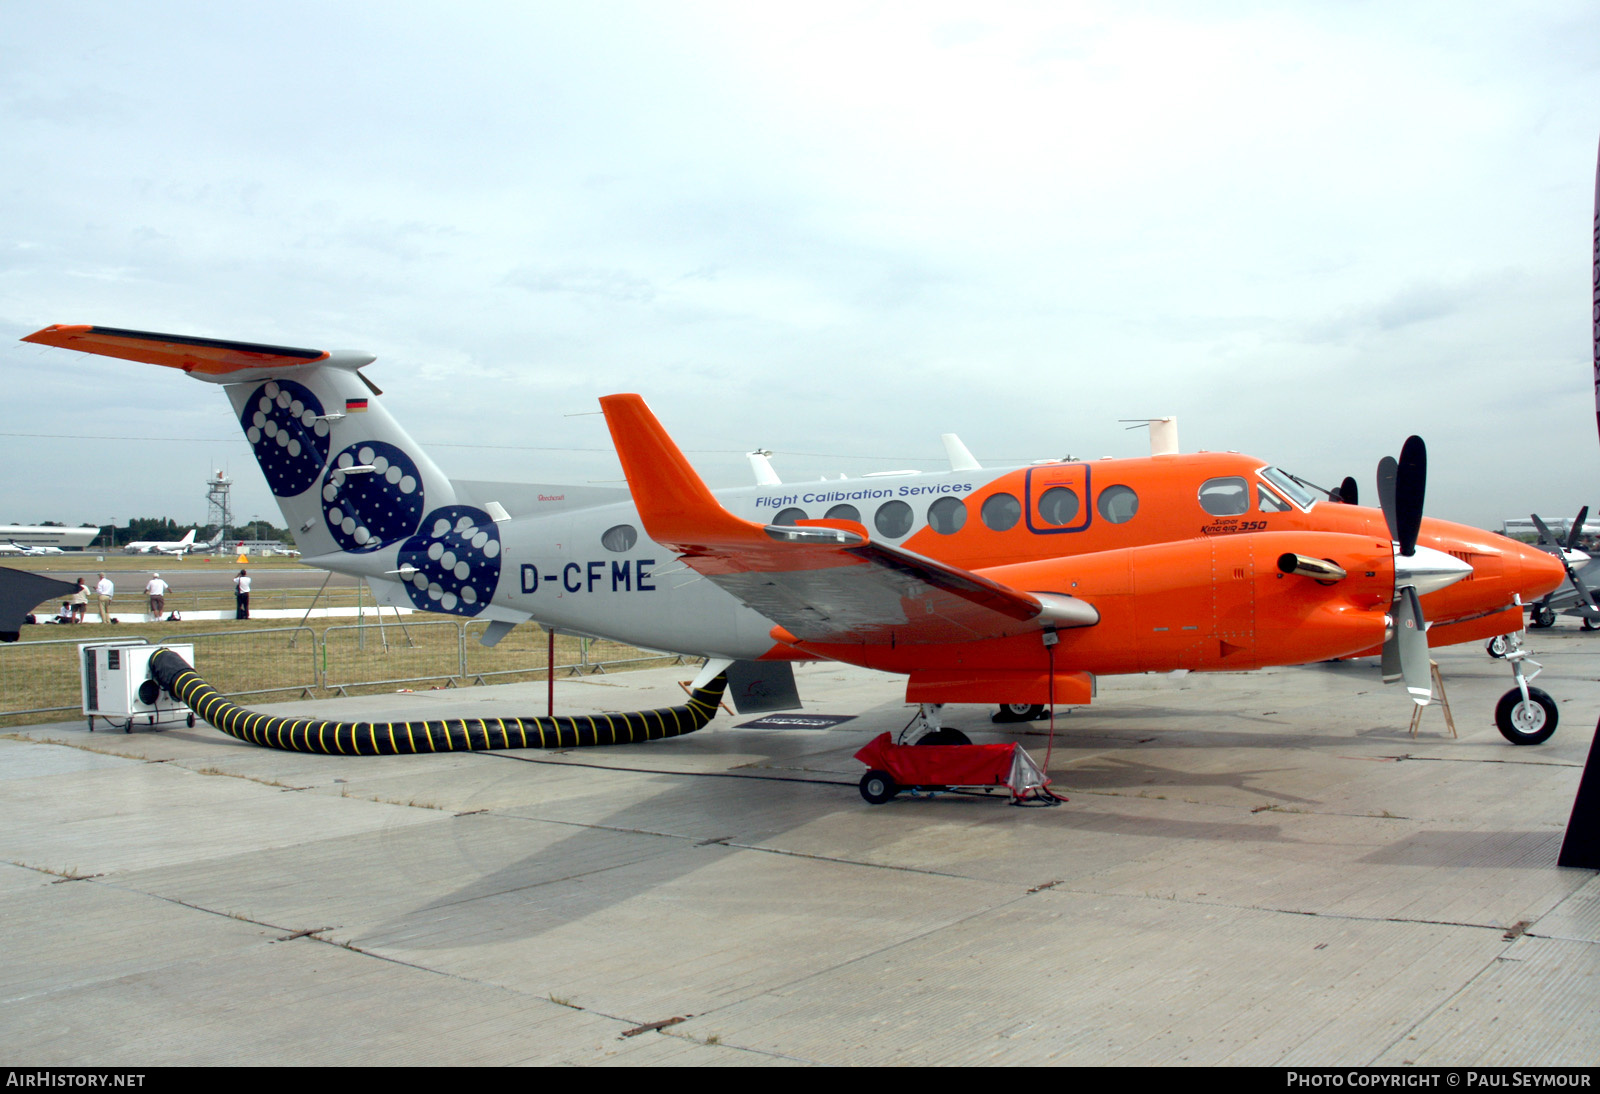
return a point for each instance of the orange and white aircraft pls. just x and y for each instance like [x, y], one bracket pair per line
[1014, 586]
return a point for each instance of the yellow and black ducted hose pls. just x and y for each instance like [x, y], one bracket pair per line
[179, 680]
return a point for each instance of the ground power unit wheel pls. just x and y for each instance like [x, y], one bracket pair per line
[878, 787]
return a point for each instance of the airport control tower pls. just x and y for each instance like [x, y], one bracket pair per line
[218, 506]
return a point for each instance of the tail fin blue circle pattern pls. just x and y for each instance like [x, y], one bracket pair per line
[287, 430]
[452, 564]
[372, 496]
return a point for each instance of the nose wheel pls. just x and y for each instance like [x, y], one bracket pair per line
[1525, 715]
[1528, 721]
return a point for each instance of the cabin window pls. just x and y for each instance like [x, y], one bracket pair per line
[1059, 506]
[1225, 497]
[1001, 512]
[1268, 502]
[947, 515]
[844, 512]
[893, 519]
[790, 516]
[1118, 504]
[621, 537]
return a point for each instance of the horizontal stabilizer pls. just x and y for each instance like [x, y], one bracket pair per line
[210, 356]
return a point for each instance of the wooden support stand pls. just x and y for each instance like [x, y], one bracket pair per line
[1444, 702]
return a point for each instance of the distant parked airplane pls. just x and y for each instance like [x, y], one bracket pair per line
[177, 547]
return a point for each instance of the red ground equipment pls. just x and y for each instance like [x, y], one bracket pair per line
[895, 767]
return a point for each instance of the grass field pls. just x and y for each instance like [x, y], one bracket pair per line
[39, 676]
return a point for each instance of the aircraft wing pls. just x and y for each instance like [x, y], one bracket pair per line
[821, 581]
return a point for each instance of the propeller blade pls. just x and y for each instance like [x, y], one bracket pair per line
[1347, 491]
[1391, 649]
[1577, 528]
[1388, 471]
[1405, 651]
[1409, 487]
[1412, 639]
[1545, 535]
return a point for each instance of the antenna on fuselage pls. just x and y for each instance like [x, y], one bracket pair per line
[761, 466]
[961, 459]
[1163, 434]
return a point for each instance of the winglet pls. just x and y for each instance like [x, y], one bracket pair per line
[673, 501]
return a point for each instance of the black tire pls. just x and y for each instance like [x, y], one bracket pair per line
[1542, 616]
[878, 787]
[1498, 646]
[945, 737]
[1019, 712]
[1529, 723]
[191, 721]
[1589, 624]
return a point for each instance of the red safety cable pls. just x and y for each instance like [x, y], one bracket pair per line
[1050, 746]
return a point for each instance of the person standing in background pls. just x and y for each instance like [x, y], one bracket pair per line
[156, 590]
[104, 590]
[79, 601]
[241, 596]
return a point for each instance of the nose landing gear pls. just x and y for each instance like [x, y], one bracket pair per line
[1525, 715]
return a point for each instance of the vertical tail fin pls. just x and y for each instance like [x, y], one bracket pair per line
[348, 479]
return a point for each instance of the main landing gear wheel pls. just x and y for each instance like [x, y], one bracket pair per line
[1589, 624]
[1498, 646]
[1019, 712]
[945, 737]
[878, 787]
[1526, 722]
[1542, 616]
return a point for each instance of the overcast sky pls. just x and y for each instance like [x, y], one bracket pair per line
[832, 230]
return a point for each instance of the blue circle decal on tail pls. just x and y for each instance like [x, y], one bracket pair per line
[372, 496]
[284, 424]
[452, 564]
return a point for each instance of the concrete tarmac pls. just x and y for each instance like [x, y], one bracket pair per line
[1261, 868]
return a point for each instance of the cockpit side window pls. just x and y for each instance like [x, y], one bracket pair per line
[1228, 496]
[1268, 502]
[1288, 487]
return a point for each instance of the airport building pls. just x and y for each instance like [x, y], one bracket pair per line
[27, 535]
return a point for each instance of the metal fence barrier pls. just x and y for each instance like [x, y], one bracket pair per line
[42, 678]
[365, 654]
[235, 665]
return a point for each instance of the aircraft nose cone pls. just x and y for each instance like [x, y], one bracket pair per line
[1541, 572]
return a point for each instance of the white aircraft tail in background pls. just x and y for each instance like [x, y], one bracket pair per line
[164, 547]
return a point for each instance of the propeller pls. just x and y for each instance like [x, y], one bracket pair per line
[1347, 492]
[1565, 551]
[1401, 486]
